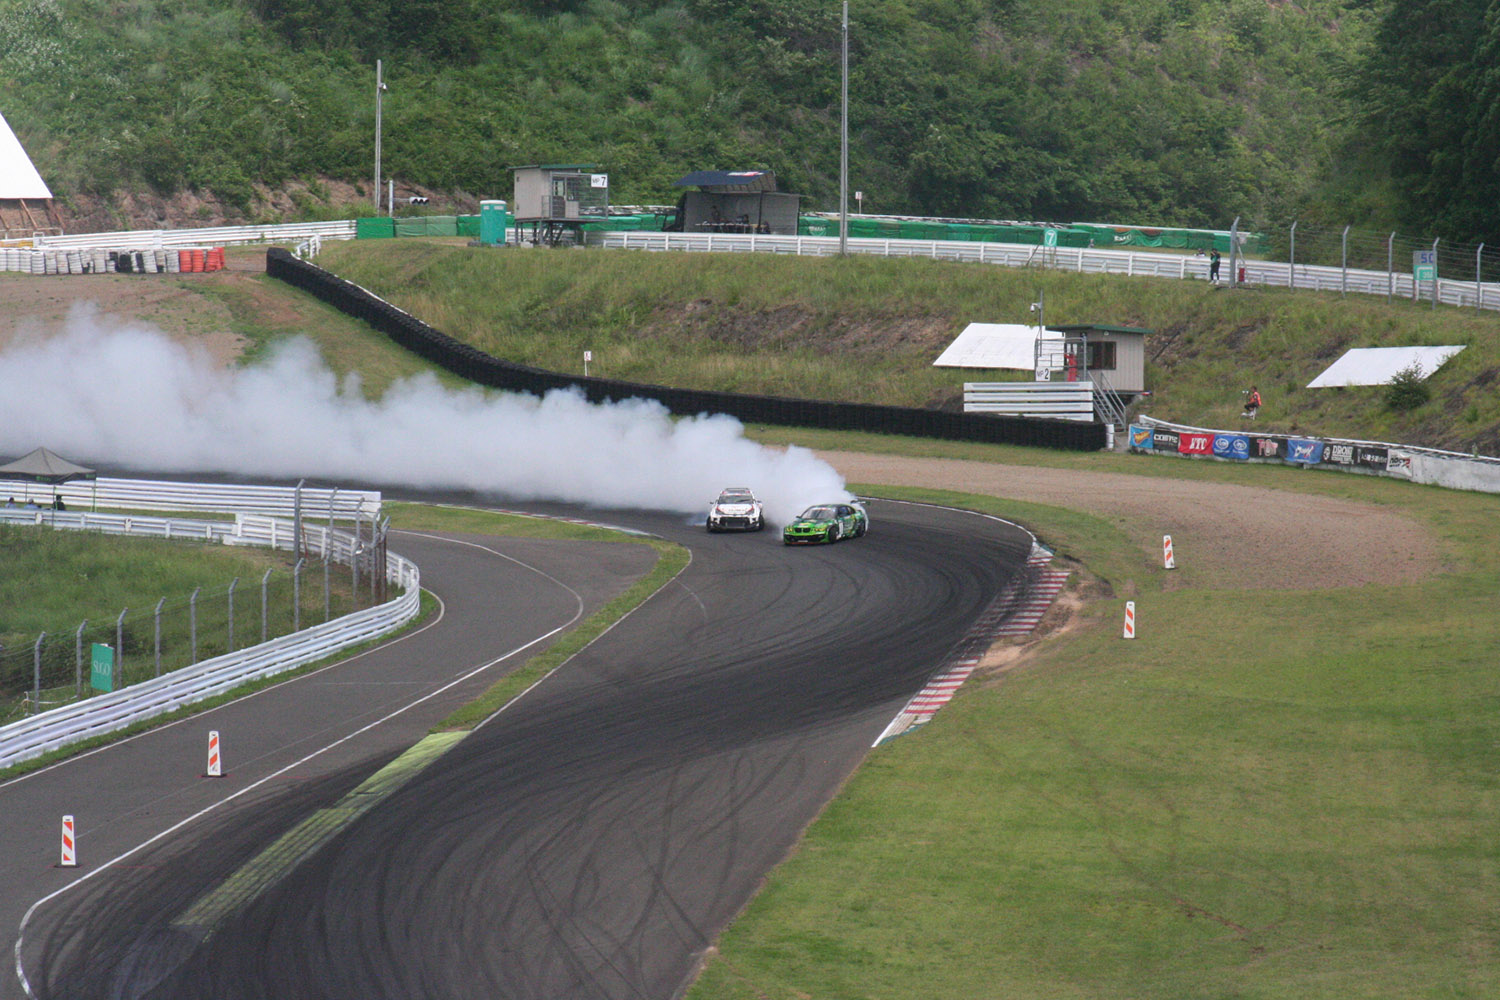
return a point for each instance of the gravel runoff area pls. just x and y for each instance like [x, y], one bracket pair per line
[1223, 535]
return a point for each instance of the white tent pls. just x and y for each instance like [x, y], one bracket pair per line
[992, 345]
[1376, 365]
[25, 200]
[18, 176]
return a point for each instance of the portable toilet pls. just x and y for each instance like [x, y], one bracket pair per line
[494, 222]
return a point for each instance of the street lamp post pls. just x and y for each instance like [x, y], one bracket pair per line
[379, 90]
[844, 140]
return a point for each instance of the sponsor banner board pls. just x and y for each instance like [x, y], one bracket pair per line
[1141, 437]
[1371, 457]
[1195, 443]
[102, 667]
[1398, 463]
[1233, 446]
[1303, 451]
[1162, 440]
[1335, 453]
[1267, 447]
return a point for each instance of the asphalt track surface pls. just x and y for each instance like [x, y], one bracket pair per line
[590, 841]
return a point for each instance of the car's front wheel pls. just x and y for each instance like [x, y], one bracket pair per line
[835, 533]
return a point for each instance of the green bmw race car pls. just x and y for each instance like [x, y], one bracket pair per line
[826, 522]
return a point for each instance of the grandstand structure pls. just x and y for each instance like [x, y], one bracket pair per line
[26, 208]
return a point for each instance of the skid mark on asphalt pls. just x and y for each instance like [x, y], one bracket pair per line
[277, 861]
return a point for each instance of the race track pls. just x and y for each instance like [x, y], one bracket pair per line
[591, 840]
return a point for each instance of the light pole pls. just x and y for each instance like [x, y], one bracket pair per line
[844, 141]
[379, 90]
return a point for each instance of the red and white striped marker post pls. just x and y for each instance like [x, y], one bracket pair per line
[69, 845]
[1166, 552]
[1130, 619]
[215, 762]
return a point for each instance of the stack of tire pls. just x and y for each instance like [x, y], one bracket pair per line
[99, 261]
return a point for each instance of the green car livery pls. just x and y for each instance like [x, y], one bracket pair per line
[826, 522]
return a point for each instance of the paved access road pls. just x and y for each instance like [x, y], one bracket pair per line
[588, 842]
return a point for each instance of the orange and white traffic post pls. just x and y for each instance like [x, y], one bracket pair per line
[215, 762]
[1130, 619]
[1166, 552]
[69, 845]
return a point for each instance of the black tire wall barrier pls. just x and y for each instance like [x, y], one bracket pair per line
[473, 364]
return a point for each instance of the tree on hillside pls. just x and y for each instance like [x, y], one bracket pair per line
[1430, 91]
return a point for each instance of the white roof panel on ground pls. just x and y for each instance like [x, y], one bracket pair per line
[991, 345]
[1376, 365]
[18, 178]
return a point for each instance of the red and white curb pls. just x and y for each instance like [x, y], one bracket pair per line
[1006, 616]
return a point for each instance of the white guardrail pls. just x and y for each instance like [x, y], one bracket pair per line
[108, 713]
[1082, 261]
[217, 236]
[150, 494]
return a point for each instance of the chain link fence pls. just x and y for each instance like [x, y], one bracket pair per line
[42, 671]
[1309, 243]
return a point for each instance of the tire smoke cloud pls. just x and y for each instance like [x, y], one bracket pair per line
[130, 396]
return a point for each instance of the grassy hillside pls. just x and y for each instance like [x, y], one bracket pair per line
[867, 329]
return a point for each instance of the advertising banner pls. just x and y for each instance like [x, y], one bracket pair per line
[1398, 463]
[1195, 443]
[102, 667]
[1141, 437]
[1335, 453]
[1303, 451]
[1267, 447]
[1163, 440]
[1234, 446]
[1371, 457]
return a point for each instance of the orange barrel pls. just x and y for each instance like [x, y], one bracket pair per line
[216, 259]
[184, 261]
[197, 259]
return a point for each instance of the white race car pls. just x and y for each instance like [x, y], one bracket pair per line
[736, 510]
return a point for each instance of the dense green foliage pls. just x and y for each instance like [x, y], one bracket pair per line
[1170, 112]
[1407, 389]
[1429, 101]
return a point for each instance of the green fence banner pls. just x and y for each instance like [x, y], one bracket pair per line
[102, 672]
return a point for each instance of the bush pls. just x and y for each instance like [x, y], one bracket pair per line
[1407, 389]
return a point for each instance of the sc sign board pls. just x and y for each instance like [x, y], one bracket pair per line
[1424, 265]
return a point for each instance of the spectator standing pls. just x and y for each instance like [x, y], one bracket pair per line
[1213, 266]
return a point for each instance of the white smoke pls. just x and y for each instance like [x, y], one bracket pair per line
[132, 397]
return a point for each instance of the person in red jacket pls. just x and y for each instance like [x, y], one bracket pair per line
[1252, 403]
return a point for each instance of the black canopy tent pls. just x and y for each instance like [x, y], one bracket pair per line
[43, 466]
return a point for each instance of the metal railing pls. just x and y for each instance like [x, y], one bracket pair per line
[147, 239]
[1149, 264]
[151, 494]
[108, 713]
